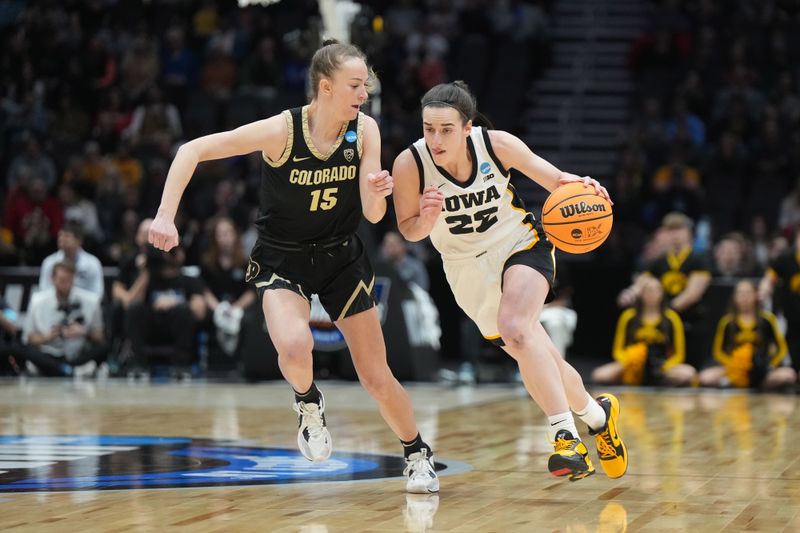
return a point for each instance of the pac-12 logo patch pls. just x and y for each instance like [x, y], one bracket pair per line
[350, 136]
[94, 462]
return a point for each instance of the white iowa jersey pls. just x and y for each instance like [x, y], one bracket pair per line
[480, 213]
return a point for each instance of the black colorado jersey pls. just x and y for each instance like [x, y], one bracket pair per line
[309, 197]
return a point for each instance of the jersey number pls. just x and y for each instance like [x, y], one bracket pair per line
[328, 199]
[461, 224]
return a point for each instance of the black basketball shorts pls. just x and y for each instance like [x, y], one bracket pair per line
[341, 275]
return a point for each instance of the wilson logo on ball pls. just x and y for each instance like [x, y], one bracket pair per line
[580, 208]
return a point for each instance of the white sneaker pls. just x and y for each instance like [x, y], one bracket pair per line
[419, 512]
[313, 437]
[85, 370]
[422, 478]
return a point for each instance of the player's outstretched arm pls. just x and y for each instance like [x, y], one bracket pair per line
[268, 135]
[514, 153]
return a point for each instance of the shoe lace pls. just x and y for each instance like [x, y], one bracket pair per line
[418, 463]
[605, 446]
[563, 444]
[312, 419]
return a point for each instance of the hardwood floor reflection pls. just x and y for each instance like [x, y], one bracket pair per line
[700, 461]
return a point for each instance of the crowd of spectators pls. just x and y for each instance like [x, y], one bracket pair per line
[95, 97]
[715, 131]
[712, 154]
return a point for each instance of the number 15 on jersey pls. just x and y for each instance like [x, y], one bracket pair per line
[323, 199]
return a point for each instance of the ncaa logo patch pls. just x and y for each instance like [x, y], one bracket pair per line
[95, 462]
[350, 136]
[485, 167]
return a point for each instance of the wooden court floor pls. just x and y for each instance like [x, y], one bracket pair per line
[700, 461]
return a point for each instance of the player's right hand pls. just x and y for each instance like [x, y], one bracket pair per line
[163, 234]
[430, 203]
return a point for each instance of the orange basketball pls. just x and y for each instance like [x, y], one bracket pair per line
[576, 219]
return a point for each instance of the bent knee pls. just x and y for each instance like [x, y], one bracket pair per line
[294, 347]
[516, 333]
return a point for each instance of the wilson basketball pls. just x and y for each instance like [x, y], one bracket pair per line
[576, 219]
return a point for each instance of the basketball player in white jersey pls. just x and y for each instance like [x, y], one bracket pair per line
[453, 185]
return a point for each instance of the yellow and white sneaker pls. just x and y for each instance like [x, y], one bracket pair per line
[612, 451]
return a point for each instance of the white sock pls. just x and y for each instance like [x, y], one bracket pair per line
[593, 415]
[559, 422]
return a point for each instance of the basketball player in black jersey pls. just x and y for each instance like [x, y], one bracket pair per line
[321, 171]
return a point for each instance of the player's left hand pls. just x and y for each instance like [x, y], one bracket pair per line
[380, 184]
[587, 182]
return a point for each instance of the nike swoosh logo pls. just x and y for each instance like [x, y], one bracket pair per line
[298, 159]
[559, 422]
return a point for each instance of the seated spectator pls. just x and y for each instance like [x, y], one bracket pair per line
[783, 271]
[113, 118]
[91, 170]
[88, 269]
[34, 217]
[64, 325]
[165, 311]
[395, 252]
[731, 258]
[129, 167]
[140, 66]
[789, 215]
[80, 211]
[124, 243]
[649, 345]
[226, 294]
[683, 119]
[685, 276]
[676, 187]
[34, 160]
[70, 126]
[127, 288]
[749, 346]
[153, 119]
[219, 73]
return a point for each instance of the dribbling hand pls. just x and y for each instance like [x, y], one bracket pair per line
[380, 184]
[587, 182]
[430, 203]
[163, 234]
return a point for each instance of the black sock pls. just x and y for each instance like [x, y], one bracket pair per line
[414, 445]
[310, 396]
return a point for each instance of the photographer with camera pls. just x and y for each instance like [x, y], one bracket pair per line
[64, 327]
[88, 269]
[165, 310]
